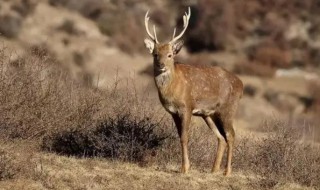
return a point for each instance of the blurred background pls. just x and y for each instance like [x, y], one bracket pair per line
[273, 45]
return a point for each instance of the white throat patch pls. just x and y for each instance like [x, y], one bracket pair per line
[163, 78]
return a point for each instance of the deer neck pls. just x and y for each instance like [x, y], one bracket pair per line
[164, 77]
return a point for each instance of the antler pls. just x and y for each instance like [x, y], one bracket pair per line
[186, 18]
[146, 20]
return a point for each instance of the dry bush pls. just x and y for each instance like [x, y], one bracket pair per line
[130, 127]
[124, 138]
[279, 157]
[37, 97]
[8, 168]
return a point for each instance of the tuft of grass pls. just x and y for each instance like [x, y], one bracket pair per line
[279, 157]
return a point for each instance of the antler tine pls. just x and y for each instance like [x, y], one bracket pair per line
[155, 34]
[146, 21]
[174, 33]
[186, 18]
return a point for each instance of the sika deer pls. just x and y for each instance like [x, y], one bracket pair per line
[184, 90]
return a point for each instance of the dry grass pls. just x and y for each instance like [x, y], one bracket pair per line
[7, 168]
[279, 157]
[31, 106]
[41, 104]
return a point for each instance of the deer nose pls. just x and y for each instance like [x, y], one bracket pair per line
[160, 65]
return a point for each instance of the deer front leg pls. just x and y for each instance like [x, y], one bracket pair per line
[182, 124]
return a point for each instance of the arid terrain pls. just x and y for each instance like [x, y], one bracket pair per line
[79, 108]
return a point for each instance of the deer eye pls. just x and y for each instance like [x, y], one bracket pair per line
[169, 55]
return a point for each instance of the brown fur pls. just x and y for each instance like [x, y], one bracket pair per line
[209, 92]
[184, 90]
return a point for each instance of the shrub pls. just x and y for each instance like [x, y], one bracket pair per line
[31, 106]
[8, 169]
[279, 157]
[123, 137]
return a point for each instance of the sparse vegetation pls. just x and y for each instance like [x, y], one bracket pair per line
[279, 157]
[31, 106]
[61, 133]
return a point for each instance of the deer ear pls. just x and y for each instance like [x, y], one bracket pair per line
[177, 46]
[149, 44]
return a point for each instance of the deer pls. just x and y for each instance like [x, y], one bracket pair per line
[210, 92]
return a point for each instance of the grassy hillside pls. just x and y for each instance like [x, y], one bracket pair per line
[78, 108]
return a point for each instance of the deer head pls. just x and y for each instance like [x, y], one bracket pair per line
[164, 53]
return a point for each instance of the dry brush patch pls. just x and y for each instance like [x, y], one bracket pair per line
[37, 97]
[279, 157]
[123, 137]
[8, 169]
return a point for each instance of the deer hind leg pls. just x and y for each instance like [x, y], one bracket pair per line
[182, 124]
[217, 128]
[225, 126]
[230, 136]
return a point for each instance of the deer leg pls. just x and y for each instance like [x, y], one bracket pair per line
[182, 123]
[230, 136]
[221, 143]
